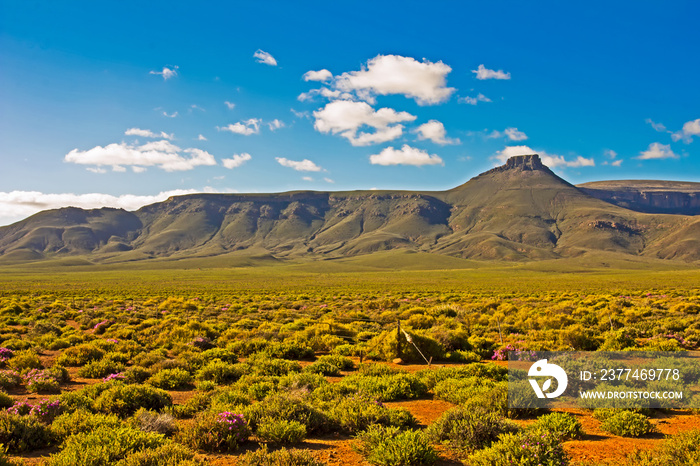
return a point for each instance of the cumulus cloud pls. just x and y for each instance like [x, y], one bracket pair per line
[550, 160]
[201, 138]
[484, 73]
[275, 124]
[657, 151]
[307, 178]
[345, 118]
[162, 154]
[434, 131]
[393, 74]
[320, 75]
[325, 92]
[515, 135]
[167, 72]
[328, 180]
[264, 57]
[236, 161]
[230, 105]
[474, 100]
[407, 155]
[147, 133]
[305, 165]
[690, 129]
[16, 205]
[611, 154]
[170, 115]
[616, 163]
[246, 128]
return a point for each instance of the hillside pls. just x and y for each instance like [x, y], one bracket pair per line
[664, 197]
[520, 211]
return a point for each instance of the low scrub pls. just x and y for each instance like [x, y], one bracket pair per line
[281, 457]
[390, 446]
[469, 429]
[281, 431]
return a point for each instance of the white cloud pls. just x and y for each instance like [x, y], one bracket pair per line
[161, 154]
[195, 107]
[550, 160]
[616, 163]
[405, 156]
[275, 124]
[484, 73]
[264, 57]
[328, 180]
[16, 205]
[236, 161]
[137, 169]
[474, 100]
[660, 127]
[201, 138]
[230, 105]
[515, 135]
[320, 75]
[434, 131]
[147, 133]
[170, 115]
[393, 74]
[305, 165]
[657, 151]
[246, 128]
[307, 178]
[690, 129]
[345, 118]
[610, 153]
[167, 73]
[324, 92]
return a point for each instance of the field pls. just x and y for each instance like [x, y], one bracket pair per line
[292, 364]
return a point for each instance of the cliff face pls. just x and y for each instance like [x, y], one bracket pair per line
[648, 196]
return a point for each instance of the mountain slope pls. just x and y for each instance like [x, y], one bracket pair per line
[519, 211]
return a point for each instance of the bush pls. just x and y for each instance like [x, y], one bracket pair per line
[389, 446]
[41, 381]
[281, 457]
[356, 413]
[330, 365]
[79, 355]
[99, 369]
[9, 379]
[171, 379]
[124, 400]
[386, 347]
[260, 365]
[5, 400]
[104, 446]
[219, 372]
[24, 361]
[281, 431]
[289, 407]
[215, 432]
[168, 454]
[468, 429]
[563, 425]
[388, 388]
[301, 381]
[527, 448]
[23, 433]
[136, 374]
[676, 450]
[150, 421]
[627, 424]
[81, 420]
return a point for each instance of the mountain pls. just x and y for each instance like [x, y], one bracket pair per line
[660, 197]
[518, 211]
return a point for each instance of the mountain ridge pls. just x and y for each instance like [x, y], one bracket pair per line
[519, 211]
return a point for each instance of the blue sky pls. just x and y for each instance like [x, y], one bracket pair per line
[124, 103]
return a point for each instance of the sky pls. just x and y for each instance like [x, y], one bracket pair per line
[125, 103]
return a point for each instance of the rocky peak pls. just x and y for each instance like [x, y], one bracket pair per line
[524, 162]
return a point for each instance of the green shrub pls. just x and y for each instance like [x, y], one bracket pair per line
[468, 428]
[38, 380]
[386, 347]
[374, 369]
[219, 372]
[124, 400]
[387, 388]
[80, 355]
[24, 361]
[219, 353]
[23, 433]
[527, 448]
[301, 381]
[9, 379]
[389, 446]
[563, 425]
[81, 420]
[356, 413]
[5, 400]
[136, 374]
[171, 379]
[260, 365]
[215, 432]
[676, 450]
[281, 457]
[168, 454]
[104, 446]
[281, 431]
[289, 407]
[99, 369]
[330, 365]
[627, 424]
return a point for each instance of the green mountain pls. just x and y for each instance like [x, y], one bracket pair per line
[519, 211]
